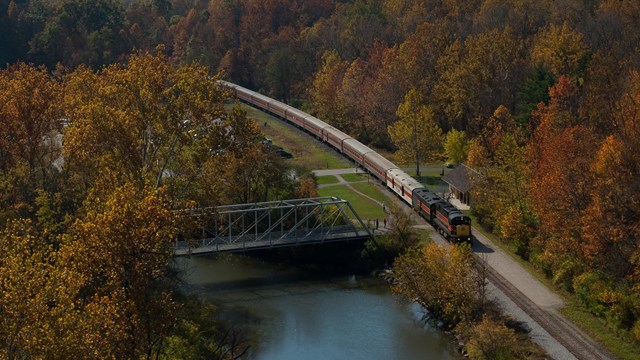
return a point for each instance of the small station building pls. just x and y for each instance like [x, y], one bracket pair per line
[461, 180]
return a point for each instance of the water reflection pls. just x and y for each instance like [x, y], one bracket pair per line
[296, 315]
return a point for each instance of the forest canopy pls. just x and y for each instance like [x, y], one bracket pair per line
[546, 93]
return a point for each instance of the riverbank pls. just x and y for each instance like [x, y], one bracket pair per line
[293, 312]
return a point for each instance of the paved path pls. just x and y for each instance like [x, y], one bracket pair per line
[536, 293]
[342, 181]
[336, 171]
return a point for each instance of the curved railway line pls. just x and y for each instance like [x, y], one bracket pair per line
[573, 339]
[576, 342]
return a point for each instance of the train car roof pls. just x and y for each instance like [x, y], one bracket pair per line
[337, 133]
[402, 177]
[358, 146]
[314, 120]
[428, 196]
[298, 112]
[262, 97]
[380, 161]
[450, 210]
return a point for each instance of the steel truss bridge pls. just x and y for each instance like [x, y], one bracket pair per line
[265, 225]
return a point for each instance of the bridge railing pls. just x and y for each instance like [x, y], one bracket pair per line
[243, 227]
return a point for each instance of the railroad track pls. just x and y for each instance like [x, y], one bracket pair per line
[572, 338]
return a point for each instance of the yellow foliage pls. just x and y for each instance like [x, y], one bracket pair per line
[491, 340]
[416, 134]
[443, 279]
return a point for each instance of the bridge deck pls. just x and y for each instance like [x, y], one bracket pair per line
[245, 227]
[247, 243]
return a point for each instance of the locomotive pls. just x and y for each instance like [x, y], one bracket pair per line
[448, 220]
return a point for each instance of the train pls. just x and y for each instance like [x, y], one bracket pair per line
[447, 219]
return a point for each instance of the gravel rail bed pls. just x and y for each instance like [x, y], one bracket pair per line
[572, 338]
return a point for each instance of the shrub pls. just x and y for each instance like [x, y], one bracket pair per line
[491, 340]
[443, 279]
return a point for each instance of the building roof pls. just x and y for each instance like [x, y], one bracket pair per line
[462, 177]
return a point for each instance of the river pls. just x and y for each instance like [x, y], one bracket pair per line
[295, 314]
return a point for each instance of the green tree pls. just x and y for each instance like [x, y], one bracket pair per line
[455, 146]
[416, 133]
[81, 32]
[400, 237]
[280, 73]
[477, 76]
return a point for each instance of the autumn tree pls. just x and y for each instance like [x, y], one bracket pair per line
[610, 222]
[489, 339]
[511, 179]
[478, 75]
[560, 155]
[121, 246]
[101, 292]
[325, 86]
[251, 176]
[136, 118]
[416, 134]
[443, 279]
[477, 155]
[30, 117]
[525, 17]
[502, 201]
[562, 51]
[455, 146]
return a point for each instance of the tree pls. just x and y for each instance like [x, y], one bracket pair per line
[81, 32]
[121, 247]
[253, 175]
[477, 76]
[477, 155]
[30, 118]
[100, 293]
[280, 73]
[610, 223]
[455, 146]
[560, 153]
[442, 279]
[562, 51]
[326, 83]
[533, 91]
[492, 340]
[136, 118]
[400, 238]
[416, 133]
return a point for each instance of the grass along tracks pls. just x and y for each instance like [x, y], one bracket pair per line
[311, 154]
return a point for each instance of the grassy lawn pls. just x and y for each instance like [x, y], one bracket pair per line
[326, 180]
[370, 190]
[354, 177]
[600, 331]
[308, 153]
[366, 209]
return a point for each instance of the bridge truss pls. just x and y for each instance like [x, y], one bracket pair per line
[245, 227]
